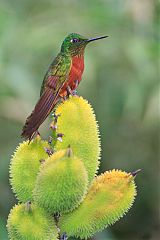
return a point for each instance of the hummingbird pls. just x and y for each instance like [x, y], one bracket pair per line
[61, 79]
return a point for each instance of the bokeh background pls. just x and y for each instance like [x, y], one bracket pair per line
[120, 81]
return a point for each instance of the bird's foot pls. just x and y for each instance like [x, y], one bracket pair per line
[64, 98]
[71, 92]
[76, 83]
[74, 93]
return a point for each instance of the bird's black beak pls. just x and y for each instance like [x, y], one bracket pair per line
[94, 39]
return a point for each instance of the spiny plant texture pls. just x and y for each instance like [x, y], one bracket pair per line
[109, 198]
[59, 178]
[61, 183]
[78, 124]
[24, 167]
[29, 222]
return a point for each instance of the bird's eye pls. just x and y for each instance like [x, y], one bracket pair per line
[74, 40]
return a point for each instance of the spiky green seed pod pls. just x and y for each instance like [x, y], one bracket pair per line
[61, 183]
[109, 198]
[24, 167]
[78, 124]
[29, 222]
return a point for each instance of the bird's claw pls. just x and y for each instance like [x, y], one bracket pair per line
[71, 92]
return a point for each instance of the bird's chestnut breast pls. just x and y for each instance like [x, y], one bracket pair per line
[75, 74]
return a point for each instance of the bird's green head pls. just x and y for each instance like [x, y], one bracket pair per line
[75, 44]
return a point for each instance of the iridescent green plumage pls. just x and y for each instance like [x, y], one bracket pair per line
[60, 68]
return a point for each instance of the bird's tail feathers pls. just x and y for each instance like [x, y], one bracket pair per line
[42, 109]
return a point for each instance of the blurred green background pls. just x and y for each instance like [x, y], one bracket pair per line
[120, 81]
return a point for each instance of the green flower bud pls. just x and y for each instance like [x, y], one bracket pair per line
[24, 167]
[110, 196]
[78, 124]
[61, 183]
[29, 222]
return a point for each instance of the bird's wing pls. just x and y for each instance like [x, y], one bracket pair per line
[55, 69]
[47, 101]
[42, 109]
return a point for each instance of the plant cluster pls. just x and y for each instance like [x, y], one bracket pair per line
[59, 193]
